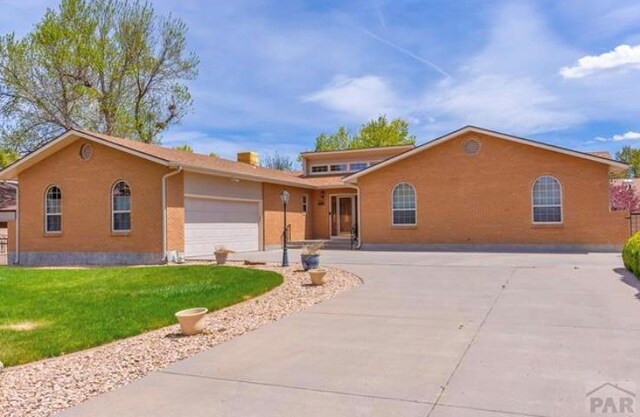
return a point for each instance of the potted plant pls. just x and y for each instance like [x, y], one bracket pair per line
[221, 254]
[191, 320]
[317, 276]
[310, 258]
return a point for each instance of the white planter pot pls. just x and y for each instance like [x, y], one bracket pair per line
[192, 320]
[317, 276]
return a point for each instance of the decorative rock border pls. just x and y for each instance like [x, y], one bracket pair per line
[52, 385]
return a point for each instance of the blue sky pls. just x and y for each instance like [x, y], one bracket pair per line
[276, 73]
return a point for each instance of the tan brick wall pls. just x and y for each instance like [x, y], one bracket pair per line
[175, 212]
[86, 202]
[11, 241]
[486, 198]
[273, 217]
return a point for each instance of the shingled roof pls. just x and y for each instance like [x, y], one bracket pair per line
[187, 160]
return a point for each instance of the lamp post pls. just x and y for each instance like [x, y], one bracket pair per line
[284, 197]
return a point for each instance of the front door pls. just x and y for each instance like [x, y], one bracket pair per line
[343, 214]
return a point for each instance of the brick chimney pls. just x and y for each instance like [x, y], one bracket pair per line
[251, 158]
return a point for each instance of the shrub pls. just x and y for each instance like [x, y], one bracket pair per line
[631, 254]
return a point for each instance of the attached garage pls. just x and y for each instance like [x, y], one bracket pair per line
[210, 221]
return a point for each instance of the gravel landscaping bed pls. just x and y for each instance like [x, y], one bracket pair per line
[50, 386]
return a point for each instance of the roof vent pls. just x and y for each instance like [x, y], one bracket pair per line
[86, 152]
[251, 158]
[471, 147]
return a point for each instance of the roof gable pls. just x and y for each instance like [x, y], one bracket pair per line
[615, 166]
[11, 172]
[169, 157]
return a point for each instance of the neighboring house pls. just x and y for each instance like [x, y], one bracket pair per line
[7, 206]
[91, 198]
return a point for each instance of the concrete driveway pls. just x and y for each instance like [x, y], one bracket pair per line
[429, 334]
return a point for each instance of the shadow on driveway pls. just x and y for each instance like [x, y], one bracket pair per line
[628, 278]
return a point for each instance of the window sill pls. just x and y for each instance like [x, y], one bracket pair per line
[52, 234]
[404, 226]
[120, 234]
[547, 225]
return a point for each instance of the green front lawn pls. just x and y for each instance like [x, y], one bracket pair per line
[49, 312]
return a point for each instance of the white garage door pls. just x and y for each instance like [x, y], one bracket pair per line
[208, 223]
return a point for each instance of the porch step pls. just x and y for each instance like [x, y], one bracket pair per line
[333, 244]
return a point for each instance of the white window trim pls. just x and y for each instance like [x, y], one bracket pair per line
[348, 165]
[339, 164]
[415, 209]
[366, 165]
[114, 211]
[47, 214]
[533, 205]
[320, 172]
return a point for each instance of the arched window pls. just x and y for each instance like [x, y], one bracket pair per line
[546, 199]
[403, 208]
[121, 207]
[53, 210]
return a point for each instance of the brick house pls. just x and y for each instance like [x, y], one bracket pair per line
[87, 198]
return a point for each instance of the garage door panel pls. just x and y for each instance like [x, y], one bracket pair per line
[208, 223]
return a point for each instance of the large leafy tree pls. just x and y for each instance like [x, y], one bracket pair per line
[184, 148]
[376, 132]
[624, 197]
[111, 66]
[278, 161]
[630, 156]
[7, 157]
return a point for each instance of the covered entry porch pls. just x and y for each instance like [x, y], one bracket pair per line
[343, 215]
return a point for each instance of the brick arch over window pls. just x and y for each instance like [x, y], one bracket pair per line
[403, 205]
[546, 200]
[121, 207]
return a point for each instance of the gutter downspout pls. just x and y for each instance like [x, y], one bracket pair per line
[16, 257]
[164, 210]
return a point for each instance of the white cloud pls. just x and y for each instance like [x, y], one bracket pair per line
[622, 56]
[630, 135]
[513, 104]
[505, 85]
[361, 98]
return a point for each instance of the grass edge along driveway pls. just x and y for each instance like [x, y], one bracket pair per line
[49, 312]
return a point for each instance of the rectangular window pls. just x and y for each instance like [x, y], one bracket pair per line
[550, 214]
[404, 217]
[121, 221]
[358, 166]
[305, 205]
[319, 168]
[54, 223]
[339, 168]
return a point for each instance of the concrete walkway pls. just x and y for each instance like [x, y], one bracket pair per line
[429, 334]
